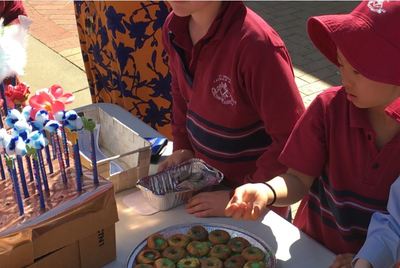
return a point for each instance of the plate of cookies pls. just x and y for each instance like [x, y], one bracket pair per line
[200, 245]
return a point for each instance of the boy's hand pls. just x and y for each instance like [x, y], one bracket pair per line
[249, 202]
[342, 261]
[175, 158]
[208, 204]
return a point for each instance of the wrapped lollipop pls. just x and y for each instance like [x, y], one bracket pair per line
[19, 134]
[35, 142]
[41, 118]
[11, 144]
[26, 111]
[61, 118]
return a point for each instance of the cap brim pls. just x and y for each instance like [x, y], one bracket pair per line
[366, 52]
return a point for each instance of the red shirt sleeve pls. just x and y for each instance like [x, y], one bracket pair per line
[10, 10]
[306, 149]
[269, 81]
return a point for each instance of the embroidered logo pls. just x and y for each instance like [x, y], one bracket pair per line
[221, 90]
[376, 6]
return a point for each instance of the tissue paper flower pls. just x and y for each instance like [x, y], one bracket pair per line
[17, 95]
[42, 100]
[58, 94]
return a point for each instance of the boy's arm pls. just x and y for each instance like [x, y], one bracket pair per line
[270, 85]
[382, 246]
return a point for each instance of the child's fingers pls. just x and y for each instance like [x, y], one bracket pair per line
[248, 211]
[231, 209]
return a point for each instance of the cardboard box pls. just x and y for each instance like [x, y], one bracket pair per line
[81, 235]
[120, 144]
[95, 250]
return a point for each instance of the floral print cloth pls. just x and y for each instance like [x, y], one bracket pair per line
[124, 59]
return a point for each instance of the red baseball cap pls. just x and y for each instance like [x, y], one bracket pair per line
[368, 37]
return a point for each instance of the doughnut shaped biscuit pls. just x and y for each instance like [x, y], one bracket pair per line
[211, 262]
[255, 264]
[164, 263]
[188, 263]
[219, 237]
[147, 256]
[235, 261]
[198, 233]
[179, 240]
[157, 241]
[253, 254]
[142, 265]
[174, 253]
[238, 244]
[220, 251]
[198, 248]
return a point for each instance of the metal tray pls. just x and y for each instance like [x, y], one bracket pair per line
[173, 186]
[270, 259]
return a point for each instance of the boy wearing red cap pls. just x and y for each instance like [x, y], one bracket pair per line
[343, 154]
[235, 100]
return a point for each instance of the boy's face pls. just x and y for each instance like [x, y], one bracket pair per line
[187, 8]
[363, 92]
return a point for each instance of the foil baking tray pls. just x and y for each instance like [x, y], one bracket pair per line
[270, 259]
[174, 186]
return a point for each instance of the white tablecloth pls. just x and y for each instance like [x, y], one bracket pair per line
[292, 248]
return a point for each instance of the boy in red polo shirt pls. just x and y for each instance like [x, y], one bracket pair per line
[344, 152]
[235, 101]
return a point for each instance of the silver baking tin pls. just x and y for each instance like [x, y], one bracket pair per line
[270, 259]
[163, 190]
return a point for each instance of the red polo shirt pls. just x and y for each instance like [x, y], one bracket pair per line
[235, 101]
[335, 142]
[10, 10]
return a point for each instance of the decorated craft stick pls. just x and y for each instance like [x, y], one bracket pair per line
[43, 171]
[73, 138]
[29, 164]
[52, 126]
[22, 176]
[3, 96]
[89, 125]
[48, 158]
[37, 141]
[3, 175]
[38, 179]
[17, 192]
[53, 146]
[60, 117]
[65, 144]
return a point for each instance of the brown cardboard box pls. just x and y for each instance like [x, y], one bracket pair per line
[83, 233]
[120, 144]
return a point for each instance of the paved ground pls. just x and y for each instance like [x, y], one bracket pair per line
[54, 53]
[54, 30]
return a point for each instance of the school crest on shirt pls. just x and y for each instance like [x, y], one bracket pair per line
[377, 6]
[221, 90]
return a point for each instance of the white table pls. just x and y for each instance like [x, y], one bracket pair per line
[292, 248]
